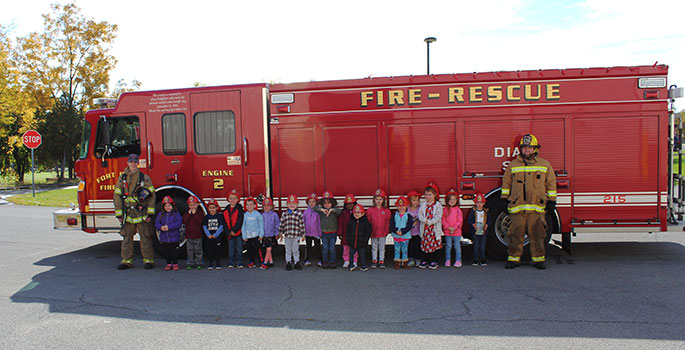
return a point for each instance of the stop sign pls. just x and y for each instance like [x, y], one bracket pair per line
[32, 139]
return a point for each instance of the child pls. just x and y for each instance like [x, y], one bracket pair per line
[271, 222]
[233, 216]
[253, 232]
[312, 227]
[415, 241]
[343, 220]
[193, 221]
[168, 224]
[478, 221]
[430, 215]
[328, 216]
[400, 226]
[451, 225]
[292, 229]
[358, 234]
[213, 225]
[379, 217]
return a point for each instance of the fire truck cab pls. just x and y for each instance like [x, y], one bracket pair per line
[606, 131]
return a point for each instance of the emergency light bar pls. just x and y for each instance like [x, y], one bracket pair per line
[105, 102]
[651, 83]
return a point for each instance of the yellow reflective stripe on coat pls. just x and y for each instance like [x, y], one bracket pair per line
[117, 190]
[527, 207]
[506, 191]
[514, 258]
[151, 211]
[118, 213]
[519, 169]
[152, 189]
[538, 258]
[131, 220]
[551, 193]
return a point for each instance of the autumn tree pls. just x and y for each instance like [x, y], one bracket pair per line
[63, 69]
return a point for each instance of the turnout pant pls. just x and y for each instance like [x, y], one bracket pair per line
[145, 231]
[535, 225]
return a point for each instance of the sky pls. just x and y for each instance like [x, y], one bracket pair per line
[173, 44]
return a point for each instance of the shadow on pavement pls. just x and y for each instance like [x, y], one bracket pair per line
[604, 290]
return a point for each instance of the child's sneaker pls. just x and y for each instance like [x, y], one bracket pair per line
[167, 267]
[474, 263]
[423, 265]
[217, 267]
[307, 263]
[189, 267]
[447, 263]
[241, 266]
[210, 267]
[174, 267]
[251, 265]
[298, 266]
[374, 264]
[457, 264]
[288, 266]
[320, 264]
[433, 265]
[411, 263]
[199, 267]
[270, 264]
[353, 267]
[263, 266]
[364, 268]
[381, 264]
[229, 266]
[346, 264]
[483, 263]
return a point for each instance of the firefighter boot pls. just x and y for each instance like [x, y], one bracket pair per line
[148, 264]
[511, 265]
[540, 265]
[125, 264]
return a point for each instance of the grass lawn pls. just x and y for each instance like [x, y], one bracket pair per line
[42, 178]
[55, 198]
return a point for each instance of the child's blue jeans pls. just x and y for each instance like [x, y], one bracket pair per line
[328, 247]
[451, 241]
[401, 250]
[479, 247]
[235, 250]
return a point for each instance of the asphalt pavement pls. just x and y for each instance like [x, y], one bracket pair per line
[61, 289]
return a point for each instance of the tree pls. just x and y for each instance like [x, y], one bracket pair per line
[63, 69]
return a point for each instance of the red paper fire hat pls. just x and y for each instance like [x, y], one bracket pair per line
[358, 209]
[402, 202]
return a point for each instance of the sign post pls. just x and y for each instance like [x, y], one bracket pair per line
[32, 140]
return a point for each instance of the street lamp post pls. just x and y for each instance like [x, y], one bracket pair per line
[428, 41]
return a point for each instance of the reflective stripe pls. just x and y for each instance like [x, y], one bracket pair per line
[506, 191]
[148, 260]
[552, 193]
[127, 261]
[117, 190]
[152, 189]
[538, 258]
[514, 258]
[519, 169]
[131, 220]
[151, 211]
[118, 213]
[527, 207]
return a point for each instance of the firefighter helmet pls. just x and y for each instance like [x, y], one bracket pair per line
[529, 140]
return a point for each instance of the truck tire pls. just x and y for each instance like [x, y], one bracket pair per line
[497, 241]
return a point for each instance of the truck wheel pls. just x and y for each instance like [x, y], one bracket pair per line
[498, 242]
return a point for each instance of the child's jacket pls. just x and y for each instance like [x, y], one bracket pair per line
[173, 220]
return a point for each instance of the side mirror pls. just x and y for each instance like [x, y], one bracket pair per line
[105, 137]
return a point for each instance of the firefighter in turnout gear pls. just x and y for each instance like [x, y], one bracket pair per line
[529, 184]
[134, 206]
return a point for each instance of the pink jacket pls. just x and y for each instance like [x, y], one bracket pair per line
[452, 217]
[380, 221]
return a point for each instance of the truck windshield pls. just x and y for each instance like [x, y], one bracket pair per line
[85, 140]
[124, 137]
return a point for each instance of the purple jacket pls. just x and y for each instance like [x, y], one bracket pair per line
[173, 220]
[312, 223]
[271, 223]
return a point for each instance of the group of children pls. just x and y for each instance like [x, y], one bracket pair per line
[417, 230]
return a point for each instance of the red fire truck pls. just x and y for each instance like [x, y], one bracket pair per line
[606, 131]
